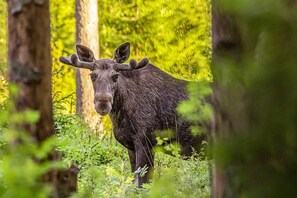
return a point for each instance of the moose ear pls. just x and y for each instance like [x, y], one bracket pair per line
[122, 53]
[84, 53]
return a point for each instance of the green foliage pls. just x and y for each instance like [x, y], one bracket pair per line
[22, 158]
[3, 52]
[258, 95]
[102, 162]
[174, 177]
[80, 144]
[197, 110]
[175, 35]
[62, 44]
[105, 167]
[3, 40]
[22, 171]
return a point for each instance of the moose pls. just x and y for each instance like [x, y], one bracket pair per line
[140, 100]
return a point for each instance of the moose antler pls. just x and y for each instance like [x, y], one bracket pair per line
[132, 65]
[74, 61]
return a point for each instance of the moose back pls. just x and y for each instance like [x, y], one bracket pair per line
[140, 100]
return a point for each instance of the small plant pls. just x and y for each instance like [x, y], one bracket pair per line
[22, 158]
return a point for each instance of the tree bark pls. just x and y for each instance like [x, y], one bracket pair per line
[29, 68]
[87, 34]
[29, 61]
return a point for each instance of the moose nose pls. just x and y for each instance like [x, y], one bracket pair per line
[105, 97]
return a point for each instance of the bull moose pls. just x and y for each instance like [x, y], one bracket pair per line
[140, 100]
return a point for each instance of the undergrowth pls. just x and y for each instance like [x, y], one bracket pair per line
[105, 168]
[103, 163]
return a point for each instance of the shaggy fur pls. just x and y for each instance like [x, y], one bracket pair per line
[145, 101]
[140, 100]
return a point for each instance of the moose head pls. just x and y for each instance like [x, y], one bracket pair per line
[105, 73]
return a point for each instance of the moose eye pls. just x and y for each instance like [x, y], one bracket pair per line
[93, 77]
[115, 77]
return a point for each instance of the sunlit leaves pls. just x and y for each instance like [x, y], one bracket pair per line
[179, 178]
[62, 44]
[3, 39]
[197, 109]
[175, 35]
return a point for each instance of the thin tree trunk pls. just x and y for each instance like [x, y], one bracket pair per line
[87, 34]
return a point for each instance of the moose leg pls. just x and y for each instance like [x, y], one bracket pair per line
[144, 158]
[132, 158]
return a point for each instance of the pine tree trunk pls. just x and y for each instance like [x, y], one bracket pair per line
[29, 68]
[29, 61]
[87, 34]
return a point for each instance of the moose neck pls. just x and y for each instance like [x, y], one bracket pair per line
[118, 100]
[149, 89]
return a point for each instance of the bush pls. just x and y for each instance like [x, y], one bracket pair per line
[105, 167]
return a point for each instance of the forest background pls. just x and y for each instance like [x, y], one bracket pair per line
[175, 36]
[254, 91]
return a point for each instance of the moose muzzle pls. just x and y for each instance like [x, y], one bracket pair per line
[103, 103]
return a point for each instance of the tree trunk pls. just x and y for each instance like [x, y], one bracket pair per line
[87, 34]
[29, 61]
[226, 41]
[254, 95]
[29, 68]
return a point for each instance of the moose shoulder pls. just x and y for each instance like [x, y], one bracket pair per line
[140, 99]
